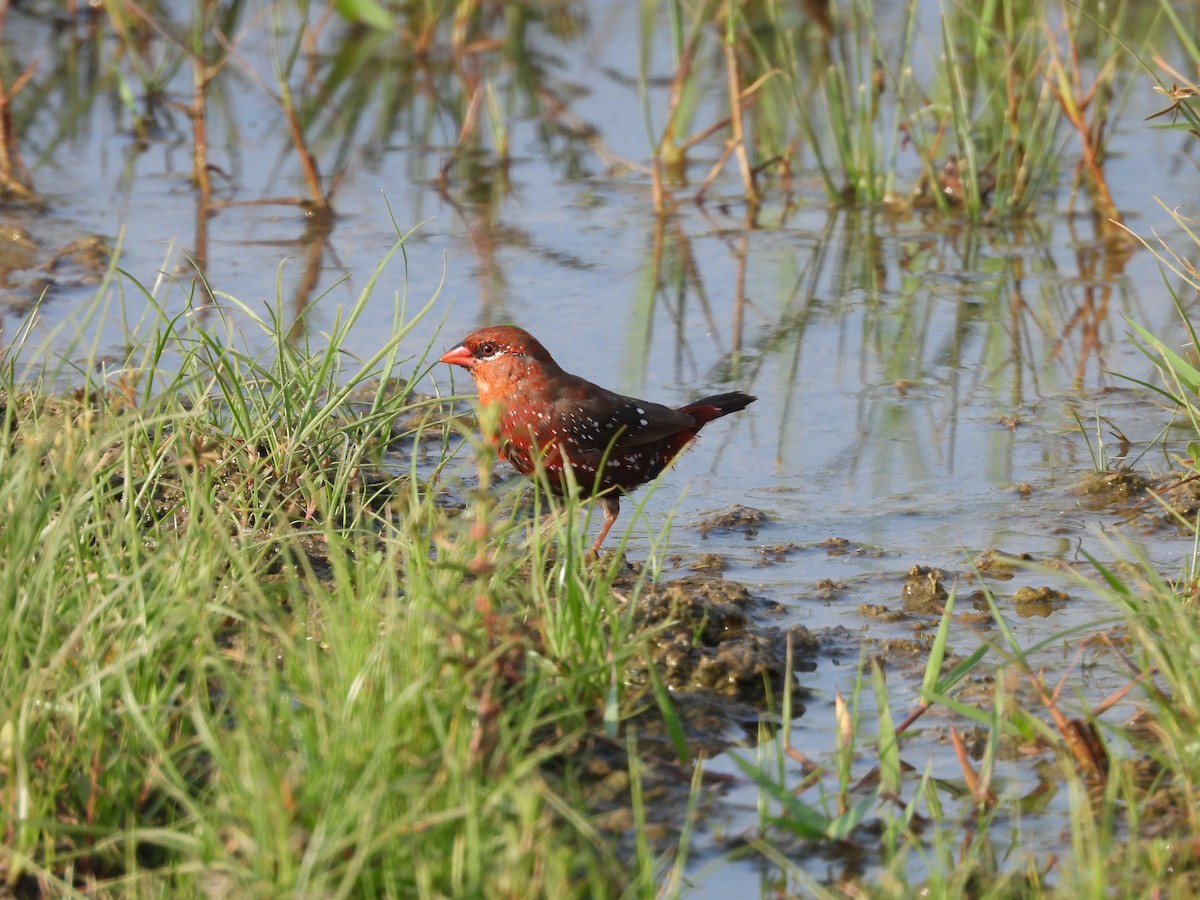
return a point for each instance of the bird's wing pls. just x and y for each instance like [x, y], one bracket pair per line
[635, 423]
[591, 419]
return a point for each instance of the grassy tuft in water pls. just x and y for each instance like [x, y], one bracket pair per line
[959, 106]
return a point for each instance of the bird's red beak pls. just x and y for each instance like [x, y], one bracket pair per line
[459, 356]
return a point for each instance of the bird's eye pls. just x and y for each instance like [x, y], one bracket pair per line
[488, 348]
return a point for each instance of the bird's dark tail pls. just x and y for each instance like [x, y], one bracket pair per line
[704, 411]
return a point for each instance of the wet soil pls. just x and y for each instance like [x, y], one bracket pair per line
[33, 268]
[721, 654]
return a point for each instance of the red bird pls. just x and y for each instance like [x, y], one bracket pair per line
[553, 420]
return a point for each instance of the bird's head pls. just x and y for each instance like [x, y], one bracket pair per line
[499, 358]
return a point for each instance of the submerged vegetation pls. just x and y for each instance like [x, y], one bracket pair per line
[272, 627]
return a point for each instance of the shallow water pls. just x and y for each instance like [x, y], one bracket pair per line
[927, 389]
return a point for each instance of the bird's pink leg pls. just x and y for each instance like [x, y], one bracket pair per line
[611, 504]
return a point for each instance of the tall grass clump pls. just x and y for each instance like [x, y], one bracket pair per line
[832, 81]
[251, 650]
[992, 109]
[972, 104]
[955, 105]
